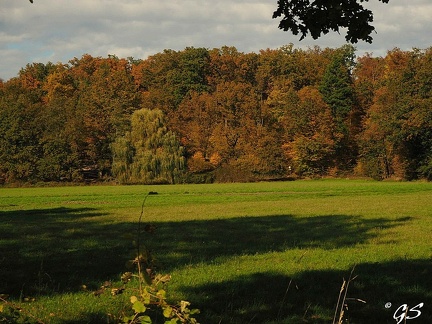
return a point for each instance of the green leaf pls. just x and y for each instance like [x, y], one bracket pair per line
[146, 297]
[171, 321]
[145, 319]
[138, 307]
[167, 312]
[161, 294]
[183, 305]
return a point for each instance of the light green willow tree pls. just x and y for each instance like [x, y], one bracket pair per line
[149, 153]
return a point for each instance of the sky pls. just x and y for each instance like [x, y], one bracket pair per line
[60, 30]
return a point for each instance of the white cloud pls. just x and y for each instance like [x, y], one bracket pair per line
[400, 23]
[58, 30]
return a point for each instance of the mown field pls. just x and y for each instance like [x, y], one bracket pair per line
[242, 253]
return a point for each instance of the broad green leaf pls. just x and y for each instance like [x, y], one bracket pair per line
[138, 307]
[183, 305]
[195, 311]
[145, 319]
[171, 321]
[161, 294]
[167, 312]
[146, 297]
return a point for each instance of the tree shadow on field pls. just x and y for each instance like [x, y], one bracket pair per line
[180, 243]
[313, 295]
[60, 249]
[48, 251]
[55, 250]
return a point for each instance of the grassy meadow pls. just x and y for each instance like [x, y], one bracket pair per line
[271, 252]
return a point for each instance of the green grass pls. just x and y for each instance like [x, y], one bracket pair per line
[242, 253]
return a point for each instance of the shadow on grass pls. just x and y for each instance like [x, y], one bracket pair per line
[43, 252]
[203, 241]
[312, 296]
[60, 249]
[57, 250]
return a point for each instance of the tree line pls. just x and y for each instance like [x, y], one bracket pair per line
[201, 115]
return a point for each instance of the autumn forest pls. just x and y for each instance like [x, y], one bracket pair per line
[219, 115]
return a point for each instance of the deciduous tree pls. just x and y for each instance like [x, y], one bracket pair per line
[310, 146]
[149, 153]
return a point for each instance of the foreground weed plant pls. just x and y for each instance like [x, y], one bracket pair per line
[150, 294]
